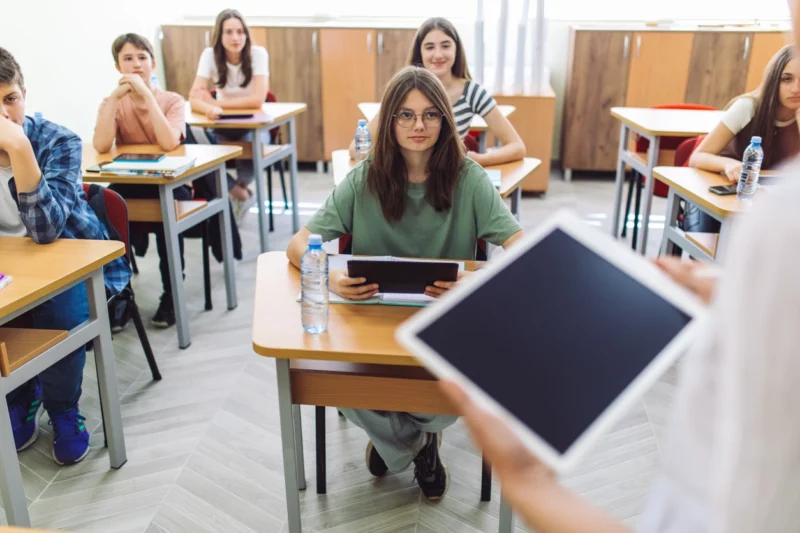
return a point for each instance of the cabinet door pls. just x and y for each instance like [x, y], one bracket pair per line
[394, 47]
[181, 47]
[659, 68]
[258, 37]
[348, 78]
[295, 76]
[598, 75]
[718, 70]
[764, 46]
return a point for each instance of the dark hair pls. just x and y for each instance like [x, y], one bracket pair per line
[460, 69]
[136, 40]
[10, 72]
[219, 50]
[767, 100]
[387, 176]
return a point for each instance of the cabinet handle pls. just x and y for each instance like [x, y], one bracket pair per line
[626, 45]
[746, 48]
[314, 42]
[380, 43]
[638, 45]
[207, 40]
[369, 43]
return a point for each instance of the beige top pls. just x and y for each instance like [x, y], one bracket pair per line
[134, 124]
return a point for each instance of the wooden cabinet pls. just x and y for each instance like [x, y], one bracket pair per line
[394, 47]
[764, 47]
[181, 47]
[597, 80]
[718, 70]
[348, 78]
[659, 68]
[296, 76]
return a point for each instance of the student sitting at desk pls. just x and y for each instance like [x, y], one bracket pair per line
[416, 195]
[239, 72]
[769, 112]
[439, 49]
[41, 197]
[137, 113]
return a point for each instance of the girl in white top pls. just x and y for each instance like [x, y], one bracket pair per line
[239, 73]
[439, 49]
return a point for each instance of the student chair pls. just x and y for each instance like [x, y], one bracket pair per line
[117, 215]
[637, 180]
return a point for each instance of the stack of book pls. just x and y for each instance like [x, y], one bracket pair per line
[168, 167]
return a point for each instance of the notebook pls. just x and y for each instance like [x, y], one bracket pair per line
[169, 167]
[496, 176]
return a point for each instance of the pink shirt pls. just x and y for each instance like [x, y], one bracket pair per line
[133, 122]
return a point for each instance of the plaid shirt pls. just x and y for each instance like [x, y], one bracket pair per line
[57, 207]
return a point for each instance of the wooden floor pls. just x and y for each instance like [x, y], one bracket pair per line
[204, 446]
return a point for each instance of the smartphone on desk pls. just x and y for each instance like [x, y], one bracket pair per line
[139, 158]
[724, 190]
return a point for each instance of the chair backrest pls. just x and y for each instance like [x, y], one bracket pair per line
[670, 143]
[686, 149]
[471, 144]
[117, 213]
[274, 132]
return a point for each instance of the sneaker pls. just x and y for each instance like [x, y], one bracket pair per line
[71, 442]
[25, 419]
[165, 314]
[431, 475]
[241, 207]
[119, 315]
[375, 463]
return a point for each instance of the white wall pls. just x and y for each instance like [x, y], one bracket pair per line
[64, 48]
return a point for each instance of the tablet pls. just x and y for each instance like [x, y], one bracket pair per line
[225, 116]
[559, 337]
[141, 158]
[398, 276]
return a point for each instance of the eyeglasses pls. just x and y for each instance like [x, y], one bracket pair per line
[406, 119]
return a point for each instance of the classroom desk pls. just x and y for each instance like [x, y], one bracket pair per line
[370, 109]
[512, 175]
[691, 185]
[357, 334]
[39, 273]
[209, 158]
[652, 124]
[271, 115]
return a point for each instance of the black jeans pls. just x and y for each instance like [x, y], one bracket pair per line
[695, 220]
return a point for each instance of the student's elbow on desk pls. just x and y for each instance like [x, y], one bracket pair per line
[102, 146]
[297, 246]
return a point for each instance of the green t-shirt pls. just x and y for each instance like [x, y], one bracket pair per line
[477, 212]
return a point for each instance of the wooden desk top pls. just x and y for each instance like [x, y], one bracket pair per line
[269, 113]
[693, 184]
[41, 269]
[370, 109]
[207, 156]
[356, 333]
[673, 122]
[512, 174]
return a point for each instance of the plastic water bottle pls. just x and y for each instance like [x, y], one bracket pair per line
[314, 287]
[751, 167]
[363, 140]
[154, 83]
[38, 115]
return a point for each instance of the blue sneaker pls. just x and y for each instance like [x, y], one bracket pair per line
[71, 442]
[25, 419]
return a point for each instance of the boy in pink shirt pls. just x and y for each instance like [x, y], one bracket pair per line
[137, 113]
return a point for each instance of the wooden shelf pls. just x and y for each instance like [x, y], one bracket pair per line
[247, 149]
[147, 210]
[707, 242]
[19, 346]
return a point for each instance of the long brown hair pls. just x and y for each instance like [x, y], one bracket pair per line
[219, 51]
[460, 69]
[387, 176]
[767, 100]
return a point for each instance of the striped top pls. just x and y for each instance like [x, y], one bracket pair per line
[475, 100]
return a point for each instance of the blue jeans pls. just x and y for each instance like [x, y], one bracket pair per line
[61, 383]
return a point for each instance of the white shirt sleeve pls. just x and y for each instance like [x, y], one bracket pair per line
[739, 114]
[260, 60]
[206, 68]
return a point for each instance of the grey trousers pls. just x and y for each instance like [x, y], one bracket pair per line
[398, 437]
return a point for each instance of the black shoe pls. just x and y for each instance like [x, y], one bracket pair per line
[431, 475]
[375, 464]
[119, 315]
[165, 315]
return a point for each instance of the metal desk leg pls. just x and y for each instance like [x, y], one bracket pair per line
[652, 161]
[673, 209]
[516, 198]
[722, 243]
[11, 488]
[289, 446]
[292, 129]
[298, 450]
[482, 142]
[624, 133]
[261, 185]
[227, 240]
[506, 516]
[169, 220]
[106, 370]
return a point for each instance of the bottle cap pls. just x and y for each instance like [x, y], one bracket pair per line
[362, 123]
[315, 240]
[756, 139]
